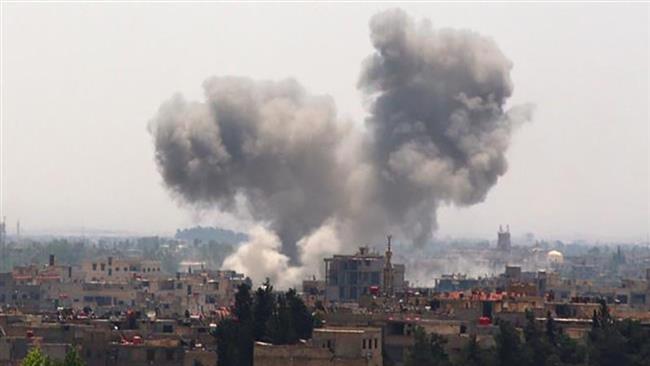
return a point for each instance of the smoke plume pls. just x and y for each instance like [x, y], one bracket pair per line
[437, 132]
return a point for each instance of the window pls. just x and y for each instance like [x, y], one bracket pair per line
[94, 266]
[117, 269]
[103, 266]
[126, 269]
[374, 278]
[376, 343]
[168, 328]
[363, 346]
[352, 278]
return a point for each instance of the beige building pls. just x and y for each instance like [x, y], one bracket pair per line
[119, 270]
[351, 343]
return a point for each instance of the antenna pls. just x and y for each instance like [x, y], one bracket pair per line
[389, 239]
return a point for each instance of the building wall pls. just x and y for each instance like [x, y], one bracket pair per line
[118, 270]
[365, 343]
[299, 355]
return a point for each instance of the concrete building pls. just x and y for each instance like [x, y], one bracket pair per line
[348, 277]
[345, 346]
[119, 270]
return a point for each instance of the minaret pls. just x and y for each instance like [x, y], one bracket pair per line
[388, 270]
[503, 242]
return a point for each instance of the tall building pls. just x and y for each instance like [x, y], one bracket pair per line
[503, 242]
[350, 276]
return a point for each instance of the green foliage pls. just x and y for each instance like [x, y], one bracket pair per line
[473, 355]
[509, 349]
[72, 358]
[265, 316]
[302, 320]
[281, 327]
[227, 348]
[610, 343]
[428, 350]
[35, 358]
[264, 303]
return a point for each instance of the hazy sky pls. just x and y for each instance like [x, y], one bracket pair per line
[81, 82]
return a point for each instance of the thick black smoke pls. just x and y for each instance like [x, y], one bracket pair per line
[437, 134]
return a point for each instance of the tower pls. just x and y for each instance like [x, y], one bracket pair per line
[388, 269]
[503, 242]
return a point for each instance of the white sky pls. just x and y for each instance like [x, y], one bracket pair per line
[80, 83]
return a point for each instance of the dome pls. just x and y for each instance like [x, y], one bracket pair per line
[555, 257]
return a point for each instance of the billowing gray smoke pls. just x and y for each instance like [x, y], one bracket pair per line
[439, 129]
[437, 133]
[268, 141]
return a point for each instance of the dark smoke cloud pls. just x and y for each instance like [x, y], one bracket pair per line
[438, 125]
[437, 134]
[270, 142]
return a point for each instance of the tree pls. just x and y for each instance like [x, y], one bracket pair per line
[290, 320]
[473, 355]
[509, 349]
[227, 348]
[244, 314]
[263, 305]
[428, 350]
[302, 319]
[235, 336]
[551, 328]
[281, 327]
[537, 348]
[243, 303]
[35, 358]
[72, 358]
[606, 344]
